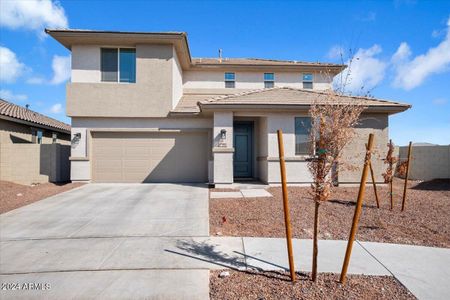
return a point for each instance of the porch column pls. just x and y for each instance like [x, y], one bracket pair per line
[223, 148]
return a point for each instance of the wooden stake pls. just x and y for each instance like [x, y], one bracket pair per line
[373, 183]
[287, 220]
[391, 190]
[406, 176]
[362, 188]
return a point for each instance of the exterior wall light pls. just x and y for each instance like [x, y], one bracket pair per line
[223, 134]
[223, 138]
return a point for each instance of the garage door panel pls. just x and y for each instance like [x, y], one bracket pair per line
[149, 157]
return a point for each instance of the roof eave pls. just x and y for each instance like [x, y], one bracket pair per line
[389, 109]
[68, 38]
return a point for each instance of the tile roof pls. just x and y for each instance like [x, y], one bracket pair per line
[21, 113]
[259, 62]
[278, 96]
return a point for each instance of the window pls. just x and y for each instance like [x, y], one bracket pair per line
[118, 65]
[230, 80]
[54, 137]
[302, 137]
[308, 81]
[269, 80]
[39, 135]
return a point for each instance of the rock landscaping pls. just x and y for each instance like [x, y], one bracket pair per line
[276, 285]
[15, 195]
[424, 222]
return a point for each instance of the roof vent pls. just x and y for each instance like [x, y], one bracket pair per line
[27, 106]
[220, 55]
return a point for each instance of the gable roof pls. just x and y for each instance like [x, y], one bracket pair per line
[13, 111]
[276, 98]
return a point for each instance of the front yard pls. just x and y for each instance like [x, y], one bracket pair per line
[15, 195]
[424, 222]
[274, 285]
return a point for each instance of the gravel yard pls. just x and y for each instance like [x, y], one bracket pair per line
[425, 222]
[15, 195]
[276, 285]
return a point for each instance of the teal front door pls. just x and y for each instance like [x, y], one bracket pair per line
[243, 149]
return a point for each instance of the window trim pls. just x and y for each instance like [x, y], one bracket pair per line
[229, 80]
[118, 65]
[308, 81]
[269, 80]
[301, 155]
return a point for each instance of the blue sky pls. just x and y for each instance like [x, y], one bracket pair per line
[402, 47]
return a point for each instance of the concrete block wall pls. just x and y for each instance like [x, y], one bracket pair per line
[34, 163]
[427, 162]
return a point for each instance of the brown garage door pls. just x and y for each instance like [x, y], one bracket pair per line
[149, 157]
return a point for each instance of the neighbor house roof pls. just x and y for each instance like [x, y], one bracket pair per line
[15, 112]
[276, 98]
[70, 37]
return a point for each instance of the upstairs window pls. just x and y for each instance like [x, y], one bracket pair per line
[54, 137]
[230, 80]
[118, 65]
[308, 81]
[302, 136]
[269, 80]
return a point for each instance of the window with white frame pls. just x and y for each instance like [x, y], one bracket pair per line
[118, 65]
[303, 143]
[269, 80]
[230, 80]
[308, 79]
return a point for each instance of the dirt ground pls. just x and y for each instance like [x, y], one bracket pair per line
[276, 285]
[13, 195]
[425, 221]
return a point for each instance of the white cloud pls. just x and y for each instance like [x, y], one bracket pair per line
[410, 73]
[61, 69]
[56, 108]
[10, 67]
[336, 52]
[364, 72]
[440, 101]
[35, 80]
[10, 96]
[32, 15]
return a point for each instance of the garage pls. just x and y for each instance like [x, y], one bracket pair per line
[149, 156]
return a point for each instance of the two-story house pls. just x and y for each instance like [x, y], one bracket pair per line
[144, 110]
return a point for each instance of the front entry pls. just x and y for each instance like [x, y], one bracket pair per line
[243, 150]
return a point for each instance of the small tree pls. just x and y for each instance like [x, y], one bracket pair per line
[333, 118]
[388, 176]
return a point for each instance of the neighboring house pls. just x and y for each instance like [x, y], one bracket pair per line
[21, 125]
[144, 110]
[33, 148]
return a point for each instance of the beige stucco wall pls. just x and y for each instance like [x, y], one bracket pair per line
[427, 162]
[80, 163]
[223, 154]
[297, 167]
[153, 94]
[354, 152]
[12, 132]
[34, 163]
[85, 63]
[177, 84]
[250, 80]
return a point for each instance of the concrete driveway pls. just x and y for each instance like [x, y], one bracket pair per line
[89, 238]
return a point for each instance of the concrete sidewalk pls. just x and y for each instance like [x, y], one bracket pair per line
[424, 271]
